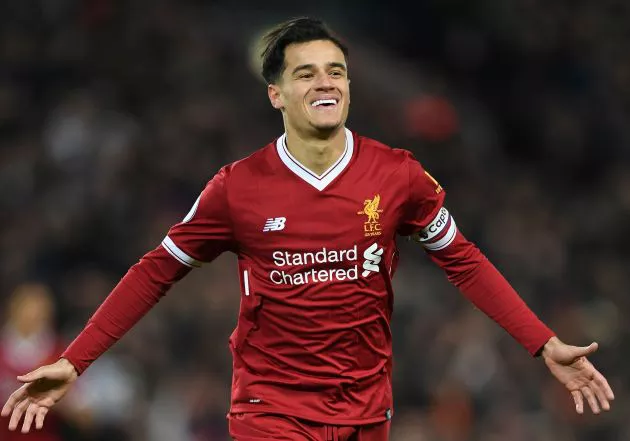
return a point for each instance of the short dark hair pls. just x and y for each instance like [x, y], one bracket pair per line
[297, 30]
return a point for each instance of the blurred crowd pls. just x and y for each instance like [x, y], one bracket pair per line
[113, 115]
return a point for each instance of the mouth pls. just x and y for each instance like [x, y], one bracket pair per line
[325, 104]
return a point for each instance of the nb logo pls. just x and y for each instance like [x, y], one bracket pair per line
[274, 224]
[372, 258]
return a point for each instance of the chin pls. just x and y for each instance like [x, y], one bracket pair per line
[326, 126]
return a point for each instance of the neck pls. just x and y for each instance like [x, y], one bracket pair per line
[317, 154]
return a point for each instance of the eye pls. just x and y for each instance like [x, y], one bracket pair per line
[305, 75]
[336, 74]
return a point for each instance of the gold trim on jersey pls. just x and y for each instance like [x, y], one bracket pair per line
[438, 187]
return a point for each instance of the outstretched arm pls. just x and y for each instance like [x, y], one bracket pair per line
[204, 233]
[430, 223]
[468, 269]
[140, 289]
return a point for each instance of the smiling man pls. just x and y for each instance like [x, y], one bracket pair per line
[313, 218]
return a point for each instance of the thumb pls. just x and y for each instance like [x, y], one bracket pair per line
[33, 375]
[582, 351]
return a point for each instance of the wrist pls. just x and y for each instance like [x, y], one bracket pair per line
[549, 347]
[72, 371]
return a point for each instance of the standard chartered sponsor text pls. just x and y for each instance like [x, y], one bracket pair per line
[323, 256]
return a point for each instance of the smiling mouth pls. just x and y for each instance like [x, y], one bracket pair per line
[324, 104]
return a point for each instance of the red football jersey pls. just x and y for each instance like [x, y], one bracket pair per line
[316, 257]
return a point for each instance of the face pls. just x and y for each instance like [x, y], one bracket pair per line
[31, 309]
[313, 92]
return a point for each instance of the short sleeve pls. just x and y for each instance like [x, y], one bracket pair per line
[206, 231]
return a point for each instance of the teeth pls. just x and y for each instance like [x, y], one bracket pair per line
[320, 102]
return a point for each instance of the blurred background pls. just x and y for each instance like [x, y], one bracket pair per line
[114, 114]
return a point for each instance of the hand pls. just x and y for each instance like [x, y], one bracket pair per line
[42, 388]
[570, 366]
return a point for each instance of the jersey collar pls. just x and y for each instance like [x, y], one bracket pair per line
[322, 181]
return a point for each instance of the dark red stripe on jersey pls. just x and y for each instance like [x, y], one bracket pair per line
[445, 233]
[174, 254]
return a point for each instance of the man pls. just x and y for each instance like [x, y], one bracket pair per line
[313, 219]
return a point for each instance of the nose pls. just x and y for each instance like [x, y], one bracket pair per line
[323, 82]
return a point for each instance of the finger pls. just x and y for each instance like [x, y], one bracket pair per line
[39, 419]
[579, 402]
[28, 417]
[603, 383]
[17, 414]
[15, 398]
[601, 396]
[582, 351]
[590, 398]
[6, 409]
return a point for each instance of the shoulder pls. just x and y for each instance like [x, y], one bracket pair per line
[250, 167]
[387, 156]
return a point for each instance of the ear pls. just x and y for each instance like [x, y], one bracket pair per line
[273, 91]
[348, 91]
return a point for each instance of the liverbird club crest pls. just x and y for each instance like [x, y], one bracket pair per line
[372, 226]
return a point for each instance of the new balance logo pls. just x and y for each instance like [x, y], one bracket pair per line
[372, 257]
[274, 224]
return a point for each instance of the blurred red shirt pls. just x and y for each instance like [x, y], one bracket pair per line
[18, 356]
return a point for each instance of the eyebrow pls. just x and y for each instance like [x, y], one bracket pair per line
[311, 66]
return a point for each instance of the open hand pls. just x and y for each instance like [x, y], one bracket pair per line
[42, 388]
[570, 366]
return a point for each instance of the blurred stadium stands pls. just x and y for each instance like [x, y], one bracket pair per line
[113, 115]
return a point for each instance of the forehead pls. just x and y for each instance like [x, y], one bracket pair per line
[317, 52]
